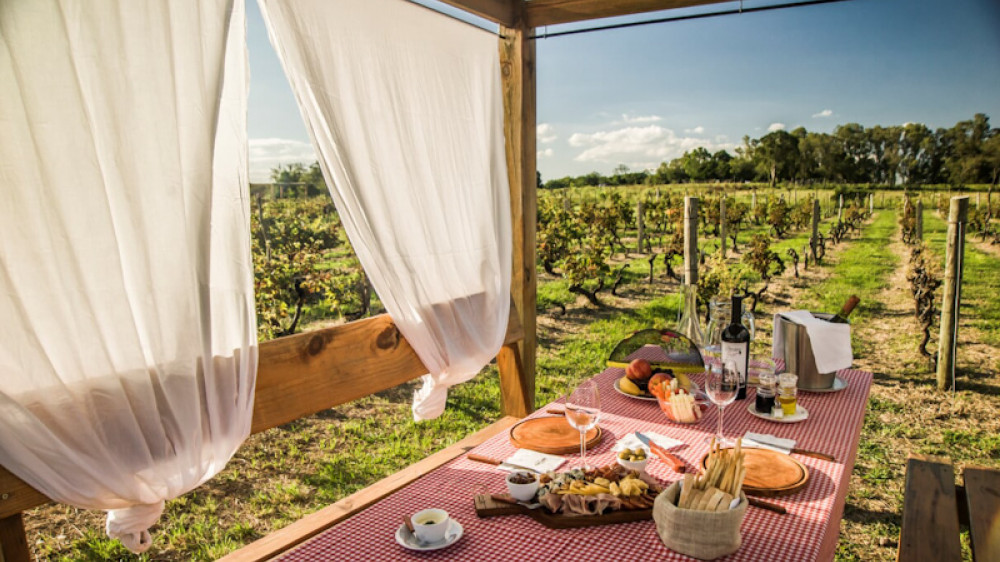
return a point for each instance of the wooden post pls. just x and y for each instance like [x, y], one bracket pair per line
[722, 223]
[753, 200]
[948, 339]
[13, 542]
[815, 233]
[691, 241]
[920, 219]
[517, 64]
[977, 200]
[840, 209]
[639, 225]
[871, 203]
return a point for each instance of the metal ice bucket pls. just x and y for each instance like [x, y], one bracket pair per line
[799, 357]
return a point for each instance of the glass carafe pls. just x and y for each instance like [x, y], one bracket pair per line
[689, 324]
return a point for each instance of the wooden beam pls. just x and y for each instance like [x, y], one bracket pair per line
[538, 13]
[517, 60]
[982, 486]
[300, 375]
[13, 543]
[309, 526]
[497, 11]
[930, 512]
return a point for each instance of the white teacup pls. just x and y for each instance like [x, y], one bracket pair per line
[430, 525]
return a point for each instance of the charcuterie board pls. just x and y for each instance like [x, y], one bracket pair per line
[486, 506]
[551, 435]
[771, 474]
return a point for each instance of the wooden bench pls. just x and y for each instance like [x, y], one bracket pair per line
[934, 508]
[301, 375]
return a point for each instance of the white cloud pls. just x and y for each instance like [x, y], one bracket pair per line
[266, 154]
[630, 120]
[697, 130]
[547, 153]
[544, 133]
[776, 127]
[824, 113]
[643, 147]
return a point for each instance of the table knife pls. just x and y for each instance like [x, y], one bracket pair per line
[495, 462]
[671, 459]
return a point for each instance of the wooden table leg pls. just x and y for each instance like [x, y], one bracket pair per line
[13, 542]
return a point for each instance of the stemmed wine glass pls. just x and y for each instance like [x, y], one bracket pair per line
[583, 408]
[721, 386]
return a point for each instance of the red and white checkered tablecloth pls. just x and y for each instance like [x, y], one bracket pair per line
[809, 531]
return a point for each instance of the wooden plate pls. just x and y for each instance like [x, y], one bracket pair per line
[770, 473]
[551, 435]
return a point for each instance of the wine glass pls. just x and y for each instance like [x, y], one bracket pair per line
[583, 408]
[721, 387]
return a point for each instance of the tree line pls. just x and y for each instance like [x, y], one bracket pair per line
[909, 154]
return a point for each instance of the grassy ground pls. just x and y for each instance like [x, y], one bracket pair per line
[284, 473]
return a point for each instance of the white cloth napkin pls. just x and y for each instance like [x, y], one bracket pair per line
[541, 462]
[831, 343]
[768, 441]
[630, 441]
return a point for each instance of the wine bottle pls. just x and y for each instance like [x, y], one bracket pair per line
[841, 317]
[736, 345]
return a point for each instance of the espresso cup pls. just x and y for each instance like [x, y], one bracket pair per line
[430, 525]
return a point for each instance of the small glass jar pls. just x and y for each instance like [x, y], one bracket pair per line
[787, 385]
[766, 390]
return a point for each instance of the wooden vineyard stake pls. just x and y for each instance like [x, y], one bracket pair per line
[948, 339]
[920, 219]
[815, 233]
[691, 241]
[722, 223]
[639, 226]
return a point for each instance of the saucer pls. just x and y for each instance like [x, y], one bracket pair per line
[406, 539]
[838, 385]
[801, 414]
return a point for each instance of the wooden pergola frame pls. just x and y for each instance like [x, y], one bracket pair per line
[307, 373]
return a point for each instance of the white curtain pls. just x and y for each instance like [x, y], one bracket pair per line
[127, 330]
[404, 107]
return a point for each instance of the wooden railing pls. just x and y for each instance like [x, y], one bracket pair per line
[301, 375]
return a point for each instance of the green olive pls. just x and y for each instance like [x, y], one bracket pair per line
[624, 455]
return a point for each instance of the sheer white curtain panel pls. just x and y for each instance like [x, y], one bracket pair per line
[405, 110]
[128, 341]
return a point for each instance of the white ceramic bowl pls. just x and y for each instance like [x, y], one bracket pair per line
[522, 492]
[638, 466]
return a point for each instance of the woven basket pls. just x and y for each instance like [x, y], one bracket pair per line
[705, 535]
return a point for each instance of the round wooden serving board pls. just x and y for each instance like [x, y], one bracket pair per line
[551, 435]
[771, 474]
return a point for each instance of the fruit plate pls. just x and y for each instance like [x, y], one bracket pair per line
[643, 396]
[691, 387]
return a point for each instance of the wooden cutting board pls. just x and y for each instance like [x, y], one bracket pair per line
[488, 507]
[553, 435]
[771, 474]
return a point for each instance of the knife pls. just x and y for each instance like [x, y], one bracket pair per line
[495, 462]
[766, 505]
[676, 463]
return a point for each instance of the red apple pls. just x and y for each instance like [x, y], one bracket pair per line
[639, 370]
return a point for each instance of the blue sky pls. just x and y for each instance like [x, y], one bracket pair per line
[642, 95]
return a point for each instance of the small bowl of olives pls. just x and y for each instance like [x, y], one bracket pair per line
[634, 459]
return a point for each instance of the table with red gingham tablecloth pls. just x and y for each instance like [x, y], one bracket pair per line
[809, 531]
